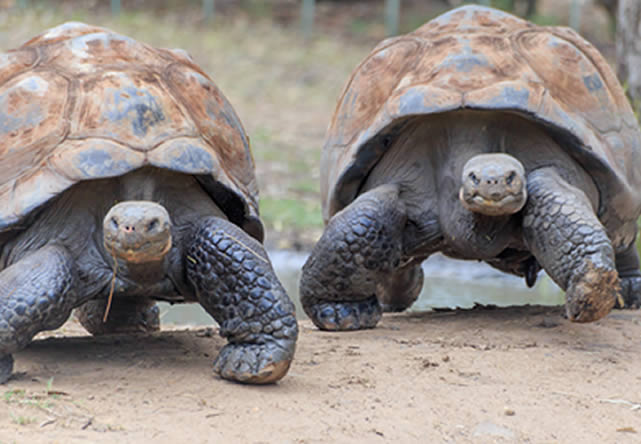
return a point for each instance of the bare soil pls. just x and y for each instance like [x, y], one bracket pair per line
[502, 375]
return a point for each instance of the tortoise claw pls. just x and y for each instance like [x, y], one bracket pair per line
[253, 363]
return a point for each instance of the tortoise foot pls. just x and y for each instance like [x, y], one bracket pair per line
[254, 363]
[6, 368]
[630, 293]
[338, 316]
[593, 295]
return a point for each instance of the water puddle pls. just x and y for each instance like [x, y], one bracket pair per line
[448, 284]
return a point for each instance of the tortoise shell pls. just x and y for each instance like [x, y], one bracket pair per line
[80, 102]
[480, 58]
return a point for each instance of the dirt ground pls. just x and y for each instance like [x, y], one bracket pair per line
[502, 375]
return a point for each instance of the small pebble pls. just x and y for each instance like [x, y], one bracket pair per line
[509, 412]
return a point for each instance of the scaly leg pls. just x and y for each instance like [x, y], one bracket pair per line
[36, 294]
[361, 246]
[572, 246]
[236, 284]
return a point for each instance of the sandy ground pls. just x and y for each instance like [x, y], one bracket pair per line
[489, 375]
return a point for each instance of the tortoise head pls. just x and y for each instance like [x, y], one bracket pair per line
[137, 231]
[493, 185]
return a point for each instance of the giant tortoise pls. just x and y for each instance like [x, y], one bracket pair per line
[126, 178]
[484, 137]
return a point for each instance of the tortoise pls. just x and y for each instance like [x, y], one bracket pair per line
[127, 178]
[484, 137]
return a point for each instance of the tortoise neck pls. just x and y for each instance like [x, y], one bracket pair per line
[147, 272]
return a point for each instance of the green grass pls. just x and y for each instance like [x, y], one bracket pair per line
[21, 420]
[545, 20]
[42, 401]
[287, 213]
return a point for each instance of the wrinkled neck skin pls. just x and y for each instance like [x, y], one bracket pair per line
[471, 235]
[143, 273]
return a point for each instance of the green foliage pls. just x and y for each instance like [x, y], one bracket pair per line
[544, 20]
[259, 9]
[506, 5]
[359, 26]
[286, 213]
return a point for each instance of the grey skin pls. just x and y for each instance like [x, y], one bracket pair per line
[167, 240]
[478, 185]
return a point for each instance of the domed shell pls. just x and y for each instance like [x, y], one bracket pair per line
[480, 58]
[80, 102]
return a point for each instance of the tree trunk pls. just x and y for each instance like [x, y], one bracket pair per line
[629, 50]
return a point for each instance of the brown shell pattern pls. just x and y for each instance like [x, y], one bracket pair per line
[80, 102]
[481, 58]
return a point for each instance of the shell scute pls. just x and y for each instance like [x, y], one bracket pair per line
[216, 120]
[186, 154]
[130, 107]
[63, 32]
[570, 77]
[85, 159]
[101, 50]
[15, 62]
[30, 125]
[379, 75]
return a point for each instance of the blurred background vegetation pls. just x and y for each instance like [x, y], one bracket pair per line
[282, 64]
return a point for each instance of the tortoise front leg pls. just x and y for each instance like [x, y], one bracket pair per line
[235, 283]
[361, 246]
[567, 239]
[36, 294]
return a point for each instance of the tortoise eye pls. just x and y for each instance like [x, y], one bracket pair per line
[510, 178]
[152, 225]
[474, 178]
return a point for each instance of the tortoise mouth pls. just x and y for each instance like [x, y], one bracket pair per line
[138, 253]
[503, 206]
